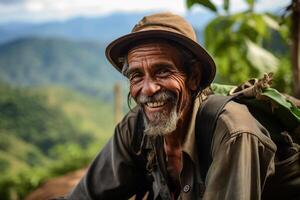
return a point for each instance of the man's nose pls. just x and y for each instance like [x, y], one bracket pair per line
[150, 87]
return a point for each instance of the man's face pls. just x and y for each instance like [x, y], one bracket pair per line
[159, 84]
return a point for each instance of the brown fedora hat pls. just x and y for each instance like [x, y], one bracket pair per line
[163, 26]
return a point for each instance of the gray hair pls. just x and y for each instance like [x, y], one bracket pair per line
[125, 67]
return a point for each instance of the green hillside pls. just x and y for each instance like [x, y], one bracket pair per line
[45, 132]
[27, 116]
[89, 115]
[16, 154]
[78, 65]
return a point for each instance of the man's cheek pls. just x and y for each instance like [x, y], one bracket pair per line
[183, 103]
[133, 87]
[133, 93]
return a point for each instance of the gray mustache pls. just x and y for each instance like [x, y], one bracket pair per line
[160, 96]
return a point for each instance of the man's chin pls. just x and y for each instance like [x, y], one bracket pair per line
[153, 113]
[153, 118]
[160, 123]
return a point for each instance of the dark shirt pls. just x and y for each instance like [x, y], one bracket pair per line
[243, 158]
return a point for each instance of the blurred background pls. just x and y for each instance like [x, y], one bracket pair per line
[60, 98]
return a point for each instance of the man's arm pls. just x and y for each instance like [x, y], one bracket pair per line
[113, 174]
[243, 157]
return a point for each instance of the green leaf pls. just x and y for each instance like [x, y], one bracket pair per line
[221, 88]
[206, 3]
[286, 111]
[221, 24]
[260, 58]
[257, 23]
[272, 23]
[284, 31]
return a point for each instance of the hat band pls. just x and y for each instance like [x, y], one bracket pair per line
[150, 26]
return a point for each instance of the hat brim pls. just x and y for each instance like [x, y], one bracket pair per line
[119, 47]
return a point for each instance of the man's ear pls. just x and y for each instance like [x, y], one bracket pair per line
[195, 76]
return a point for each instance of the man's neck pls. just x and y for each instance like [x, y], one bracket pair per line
[173, 151]
[176, 138]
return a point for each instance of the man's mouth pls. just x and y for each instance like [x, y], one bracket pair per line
[155, 104]
[160, 102]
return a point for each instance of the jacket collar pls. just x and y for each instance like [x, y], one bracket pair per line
[189, 144]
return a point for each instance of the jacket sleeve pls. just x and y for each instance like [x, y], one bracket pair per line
[243, 158]
[113, 174]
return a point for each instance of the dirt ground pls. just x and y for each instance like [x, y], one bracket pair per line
[56, 187]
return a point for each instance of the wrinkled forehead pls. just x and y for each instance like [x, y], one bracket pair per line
[157, 48]
[168, 49]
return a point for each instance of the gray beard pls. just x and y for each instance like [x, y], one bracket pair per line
[164, 123]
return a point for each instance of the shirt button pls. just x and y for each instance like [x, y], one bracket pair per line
[186, 188]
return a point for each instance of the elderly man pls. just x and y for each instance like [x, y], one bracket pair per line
[153, 153]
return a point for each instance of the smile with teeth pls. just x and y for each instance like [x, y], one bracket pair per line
[155, 104]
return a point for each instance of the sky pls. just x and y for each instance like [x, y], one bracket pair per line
[47, 10]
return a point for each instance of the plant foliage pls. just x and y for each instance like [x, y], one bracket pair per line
[246, 44]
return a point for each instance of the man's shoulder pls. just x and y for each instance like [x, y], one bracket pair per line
[236, 115]
[235, 121]
[236, 118]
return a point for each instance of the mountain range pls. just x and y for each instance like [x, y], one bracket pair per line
[78, 65]
[101, 29]
[68, 53]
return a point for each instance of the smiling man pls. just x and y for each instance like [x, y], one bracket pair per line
[153, 152]
[158, 84]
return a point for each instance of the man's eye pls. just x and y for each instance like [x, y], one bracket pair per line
[135, 76]
[163, 72]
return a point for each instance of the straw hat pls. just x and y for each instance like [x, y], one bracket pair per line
[163, 26]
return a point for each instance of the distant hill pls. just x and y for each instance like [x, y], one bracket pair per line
[45, 132]
[45, 117]
[78, 65]
[101, 29]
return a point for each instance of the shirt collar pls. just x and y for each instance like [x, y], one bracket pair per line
[189, 144]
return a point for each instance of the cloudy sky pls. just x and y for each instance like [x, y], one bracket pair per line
[40, 10]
